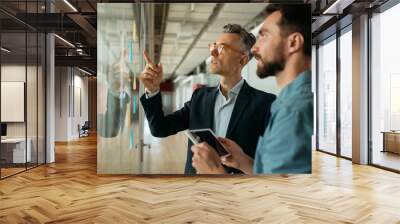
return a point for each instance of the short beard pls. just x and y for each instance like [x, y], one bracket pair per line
[274, 66]
[270, 69]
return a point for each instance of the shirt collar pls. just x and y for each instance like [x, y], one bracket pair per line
[235, 90]
[293, 87]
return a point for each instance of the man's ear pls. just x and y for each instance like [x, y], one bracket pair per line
[244, 60]
[295, 42]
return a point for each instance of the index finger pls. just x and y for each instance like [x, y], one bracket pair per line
[147, 58]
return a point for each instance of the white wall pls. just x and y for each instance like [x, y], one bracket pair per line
[61, 103]
[13, 73]
[70, 83]
[80, 83]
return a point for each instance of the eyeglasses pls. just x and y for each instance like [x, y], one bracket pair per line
[220, 47]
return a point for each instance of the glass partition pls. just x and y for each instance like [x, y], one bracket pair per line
[118, 63]
[14, 153]
[22, 88]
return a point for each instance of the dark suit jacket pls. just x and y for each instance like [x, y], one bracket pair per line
[248, 120]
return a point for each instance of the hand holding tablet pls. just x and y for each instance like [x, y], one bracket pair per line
[207, 135]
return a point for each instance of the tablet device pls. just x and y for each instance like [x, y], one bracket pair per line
[207, 135]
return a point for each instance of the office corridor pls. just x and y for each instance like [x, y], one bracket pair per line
[70, 191]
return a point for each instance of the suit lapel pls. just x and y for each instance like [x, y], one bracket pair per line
[209, 107]
[241, 102]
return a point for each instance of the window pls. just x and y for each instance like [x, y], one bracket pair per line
[385, 89]
[346, 75]
[327, 95]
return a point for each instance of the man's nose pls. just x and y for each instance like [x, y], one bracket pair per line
[214, 52]
[254, 50]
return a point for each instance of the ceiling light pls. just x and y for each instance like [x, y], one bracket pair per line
[329, 9]
[337, 7]
[5, 49]
[64, 40]
[84, 71]
[70, 5]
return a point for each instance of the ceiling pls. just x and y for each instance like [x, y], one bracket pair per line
[77, 26]
[181, 33]
[192, 26]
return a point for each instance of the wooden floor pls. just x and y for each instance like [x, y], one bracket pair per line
[69, 191]
[10, 171]
[387, 159]
[166, 156]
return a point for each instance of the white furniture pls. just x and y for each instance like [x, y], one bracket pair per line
[18, 149]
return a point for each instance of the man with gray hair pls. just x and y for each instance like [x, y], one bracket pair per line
[233, 109]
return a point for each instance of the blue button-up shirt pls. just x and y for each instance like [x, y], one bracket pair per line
[285, 147]
[223, 108]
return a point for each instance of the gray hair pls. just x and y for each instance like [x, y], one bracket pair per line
[246, 38]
